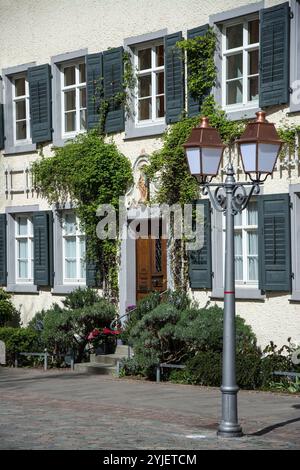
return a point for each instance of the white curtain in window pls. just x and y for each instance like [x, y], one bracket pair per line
[238, 244]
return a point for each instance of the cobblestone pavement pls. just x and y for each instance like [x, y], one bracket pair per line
[67, 410]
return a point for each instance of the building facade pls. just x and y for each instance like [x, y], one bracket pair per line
[51, 57]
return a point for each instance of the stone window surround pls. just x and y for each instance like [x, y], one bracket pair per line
[294, 53]
[294, 191]
[10, 146]
[59, 287]
[131, 130]
[12, 285]
[56, 61]
[217, 21]
[241, 292]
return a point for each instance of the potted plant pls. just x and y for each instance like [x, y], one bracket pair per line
[103, 341]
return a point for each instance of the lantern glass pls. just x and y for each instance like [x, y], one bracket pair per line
[193, 158]
[211, 157]
[248, 152]
[267, 155]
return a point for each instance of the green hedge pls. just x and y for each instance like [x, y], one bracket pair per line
[19, 340]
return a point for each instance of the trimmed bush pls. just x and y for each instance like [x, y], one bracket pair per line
[19, 340]
[9, 315]
[80, 298]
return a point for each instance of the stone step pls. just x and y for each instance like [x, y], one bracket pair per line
[95, 368]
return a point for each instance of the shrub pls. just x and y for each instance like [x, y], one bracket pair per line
[81, 297]
[68, 329]
[9, 315]
[19, 340]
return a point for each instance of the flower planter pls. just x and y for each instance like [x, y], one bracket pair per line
[105, 348]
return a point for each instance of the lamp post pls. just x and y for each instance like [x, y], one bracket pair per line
[259, 147]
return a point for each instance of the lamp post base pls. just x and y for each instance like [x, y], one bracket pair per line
[229, 430]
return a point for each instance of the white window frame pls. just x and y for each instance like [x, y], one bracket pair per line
[244, 229]
[27, 110]
[30, 258]
[245, 48]
[153, 71]
[77, 87]
[79, 235]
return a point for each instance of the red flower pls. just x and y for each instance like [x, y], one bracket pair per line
[108, 331]
[93, 334]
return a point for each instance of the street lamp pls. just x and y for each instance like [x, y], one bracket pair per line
[259, 147]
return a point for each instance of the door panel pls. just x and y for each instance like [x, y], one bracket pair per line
[151, 266]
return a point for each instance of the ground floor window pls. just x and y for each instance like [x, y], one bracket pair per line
[73, 250]
[24, 249]
[246, 245]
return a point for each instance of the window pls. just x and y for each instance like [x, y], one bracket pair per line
[24, 249]
[73, 98]
[246, 245]
[73, 250]
[150, 103]
[240, 46]
[21, 110]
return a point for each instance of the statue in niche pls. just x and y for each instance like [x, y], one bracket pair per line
[143, 187]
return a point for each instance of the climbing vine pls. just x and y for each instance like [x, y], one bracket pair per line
[89, 172]
[202, 72]
[123, 98]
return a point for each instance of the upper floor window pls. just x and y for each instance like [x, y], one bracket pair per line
[73, 250]
[21, 109]
[73, 98]
[24, 249]
[150, 103]
[246, 245]
[240, 63]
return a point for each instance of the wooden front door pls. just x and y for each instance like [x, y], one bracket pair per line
[151, 266]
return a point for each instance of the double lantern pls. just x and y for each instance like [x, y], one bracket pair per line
[259, 147]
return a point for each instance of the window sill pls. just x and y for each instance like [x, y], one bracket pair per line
[15, 149]
[241, 293]
[133, 132]
[241, 113]
[66, 289]
[22, 288]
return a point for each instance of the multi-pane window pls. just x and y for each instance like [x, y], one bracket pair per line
[74, 98]
[24, 249]
[150, 104]
[241, 63]
[21, 109]
[246, 245]
[73, 250]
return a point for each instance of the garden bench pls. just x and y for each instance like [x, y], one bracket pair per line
[165, 365]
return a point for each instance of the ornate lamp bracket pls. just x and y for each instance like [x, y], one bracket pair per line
[240, 197]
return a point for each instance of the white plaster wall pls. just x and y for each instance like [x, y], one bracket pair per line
[35, 31]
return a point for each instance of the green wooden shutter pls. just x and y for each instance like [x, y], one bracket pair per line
[274, 242]
[113, 85]
[1, 126]
[94, 88]
[274, 55]
[91, 268]
[194, 105]
[200, 268]
[3, 264]
[174, 78]
[39, 79]
[43, 248]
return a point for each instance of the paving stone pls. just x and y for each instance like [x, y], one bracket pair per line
[66, 410]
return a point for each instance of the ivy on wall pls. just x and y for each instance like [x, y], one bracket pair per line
[122, 98]
[202, 73]
[89, 172]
